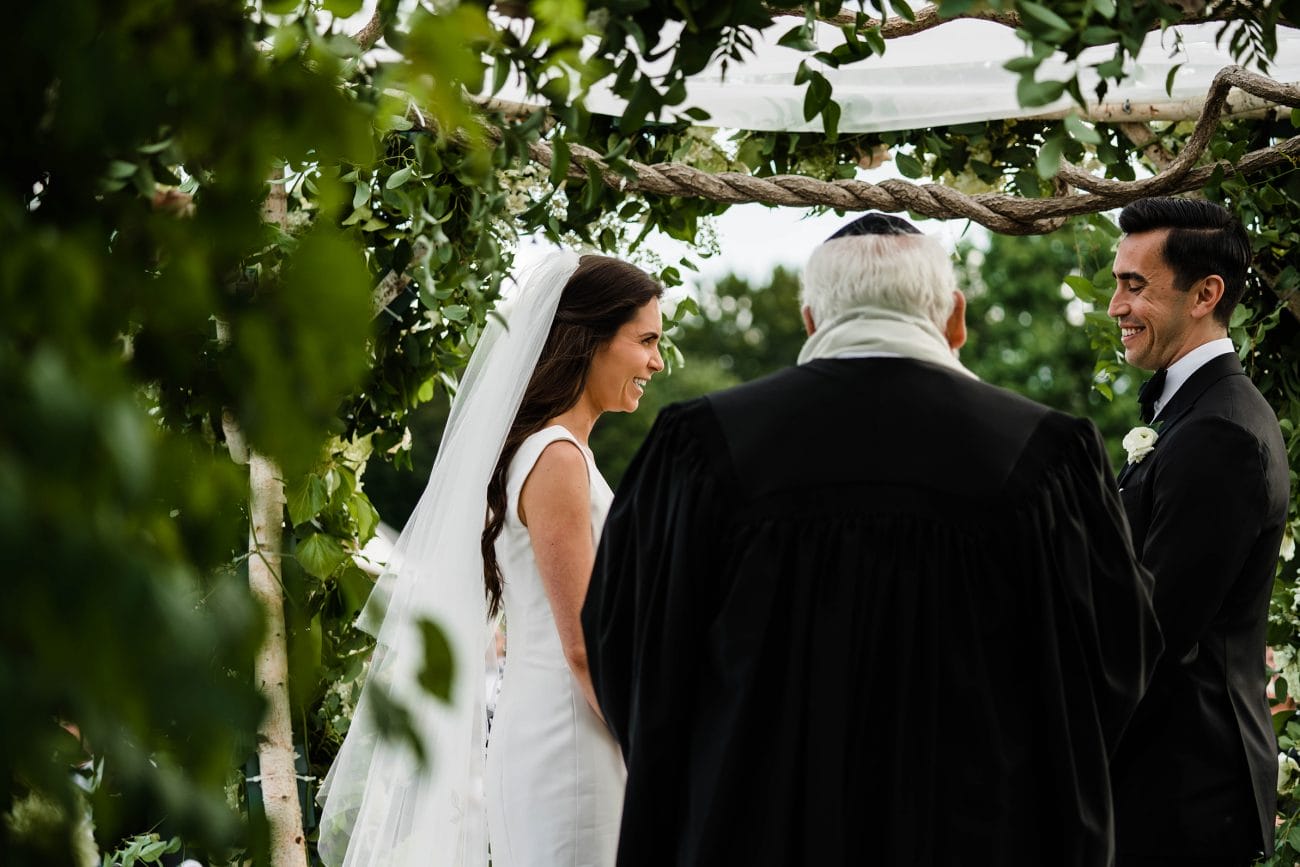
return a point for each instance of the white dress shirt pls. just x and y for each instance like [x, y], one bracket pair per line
[1182, 369]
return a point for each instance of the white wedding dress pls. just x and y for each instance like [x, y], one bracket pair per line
[555, 776]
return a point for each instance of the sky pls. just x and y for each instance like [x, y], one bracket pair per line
[753, 239]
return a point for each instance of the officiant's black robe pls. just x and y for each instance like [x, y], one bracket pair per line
[868, 611]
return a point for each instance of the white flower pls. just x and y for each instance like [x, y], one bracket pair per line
[1139, 442]
[1286, 766]
[1288, 546]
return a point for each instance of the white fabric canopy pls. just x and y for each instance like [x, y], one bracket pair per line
[949, 74]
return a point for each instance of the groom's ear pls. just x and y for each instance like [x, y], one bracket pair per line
[808, 324]
[955, 330]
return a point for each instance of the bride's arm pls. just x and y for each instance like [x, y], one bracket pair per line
[555, 505]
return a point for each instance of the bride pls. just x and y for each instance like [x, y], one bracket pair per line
[580, 339]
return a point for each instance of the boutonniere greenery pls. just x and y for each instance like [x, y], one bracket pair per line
[1140, 442]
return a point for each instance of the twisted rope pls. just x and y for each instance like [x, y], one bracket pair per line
[1006, 214]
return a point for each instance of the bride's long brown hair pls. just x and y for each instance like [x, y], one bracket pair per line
[601, 297]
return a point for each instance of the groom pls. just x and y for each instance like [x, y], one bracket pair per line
[1195, 774]
[869, 609]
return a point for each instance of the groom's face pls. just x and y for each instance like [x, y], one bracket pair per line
[1154, 317]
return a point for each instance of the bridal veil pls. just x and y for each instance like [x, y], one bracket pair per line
[382, 804]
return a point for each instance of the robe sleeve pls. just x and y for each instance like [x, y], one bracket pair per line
[1104, 592]
[655, 579]
[1212, 471]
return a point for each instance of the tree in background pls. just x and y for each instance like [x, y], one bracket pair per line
[1028, 329]
[739, 332]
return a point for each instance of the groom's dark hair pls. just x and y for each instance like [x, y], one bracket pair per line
[601, 297]
[1204, 239]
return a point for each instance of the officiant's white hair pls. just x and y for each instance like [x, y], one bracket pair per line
[910, 273]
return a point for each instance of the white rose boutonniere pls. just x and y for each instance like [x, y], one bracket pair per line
[1139, 442]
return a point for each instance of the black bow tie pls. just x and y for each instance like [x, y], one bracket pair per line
[1149, 393]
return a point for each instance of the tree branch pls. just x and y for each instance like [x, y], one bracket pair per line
[1142, 136]
[395, 282]
[368, 35]
[1011, 215]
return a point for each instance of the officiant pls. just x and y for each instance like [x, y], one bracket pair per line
[869, 609]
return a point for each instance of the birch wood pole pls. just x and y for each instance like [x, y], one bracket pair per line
[275, 754]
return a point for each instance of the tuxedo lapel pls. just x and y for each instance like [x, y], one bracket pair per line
[1185, 399]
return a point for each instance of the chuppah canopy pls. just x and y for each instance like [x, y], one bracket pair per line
[953, 73]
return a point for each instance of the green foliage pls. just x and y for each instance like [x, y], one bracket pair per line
[149, 312]
[118, 514]
[142, 849]
[1027, 332]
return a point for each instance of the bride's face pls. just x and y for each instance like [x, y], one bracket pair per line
[621, 369]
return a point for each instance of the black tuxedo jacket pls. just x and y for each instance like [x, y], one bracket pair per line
[868, 611]
[1196, 770]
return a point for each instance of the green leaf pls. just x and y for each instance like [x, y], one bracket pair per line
[1082, 288]
[320, 555]
[399, 177]
[363, 512]
[439, 672]
[798, 38]
[874, 39]
[156, 147]
[343, 8]
[1169, 79]
[1047, 22]
[425, 393]
[816, 95]
[121, 169]
[903, 9]
[908, 165]
[306, 498]
[1049, 157]
[1105, 8]
[1035, 93]
[153, 851]
[1280, 719]
[687, 306]
[1080, 131]
[455, 312]
[500, 73]
[1021, 65]
[831, 120]
[1099, 35]
[644, 100]
[559, 161]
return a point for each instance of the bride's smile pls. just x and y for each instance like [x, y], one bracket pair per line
[622, 368]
